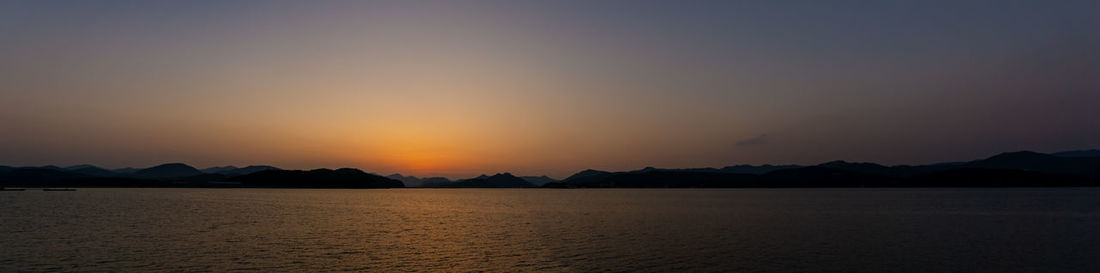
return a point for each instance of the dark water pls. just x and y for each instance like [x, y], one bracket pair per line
[780, 230]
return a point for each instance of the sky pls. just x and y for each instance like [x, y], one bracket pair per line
[460, 88]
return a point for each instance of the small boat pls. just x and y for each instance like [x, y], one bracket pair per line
[50, 189]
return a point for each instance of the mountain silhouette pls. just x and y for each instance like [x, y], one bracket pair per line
[750, 169]
[318, 178]
[1079, 153]
[91, 170]
[1019, 160]
[659, 179]
[877, 169]
[36, 176]
[126, 170]
[255, 168]
[167, 171]
[1032, 161]
[1013, 169]
[974, 177]
[435, 182]
[44, 178]
[219, 169]
[858, 166]
[538, 180]
[81, 166]
[824, 176]
[500, 180]
[427, 182]
[584, 177]
[409, 181]
[234, 171]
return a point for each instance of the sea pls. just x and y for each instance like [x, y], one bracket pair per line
[551, 230]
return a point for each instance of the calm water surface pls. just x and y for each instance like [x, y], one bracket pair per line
[772, 230]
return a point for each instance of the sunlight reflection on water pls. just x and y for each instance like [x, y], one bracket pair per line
[831, 230]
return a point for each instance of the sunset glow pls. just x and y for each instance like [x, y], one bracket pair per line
[449, 89]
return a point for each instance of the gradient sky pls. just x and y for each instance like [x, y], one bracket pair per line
[459, 88]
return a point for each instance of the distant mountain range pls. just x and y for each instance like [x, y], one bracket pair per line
[319, 178]
[234, 171]
[167, 171]
[538, 180]
[500, 180]
[413, 181]
[1015, 169]
[1081, 153]
[164, 175]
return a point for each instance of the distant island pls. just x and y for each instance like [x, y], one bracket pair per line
[1014, 169]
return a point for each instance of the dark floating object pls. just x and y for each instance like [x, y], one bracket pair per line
[58, 189]
[6, 189]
